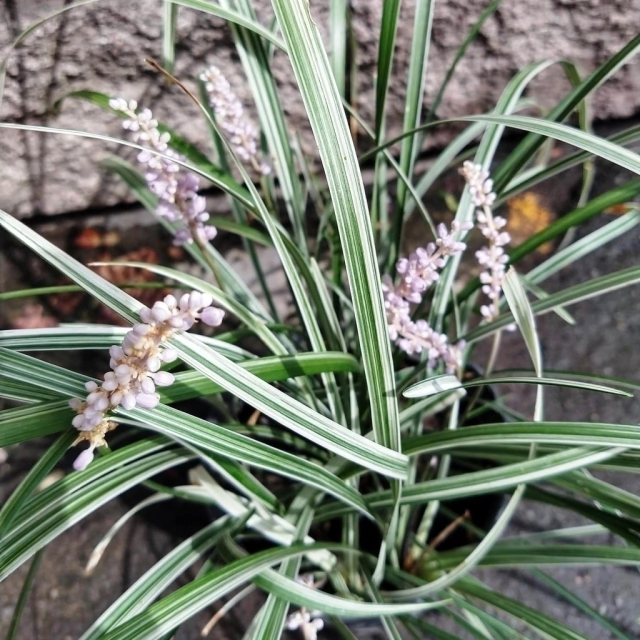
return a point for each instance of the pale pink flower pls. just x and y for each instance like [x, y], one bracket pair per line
[176, 188]
[136, 366]
[492, 257]
[230, 117]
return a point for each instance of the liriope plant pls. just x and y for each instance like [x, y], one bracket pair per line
[363, 391]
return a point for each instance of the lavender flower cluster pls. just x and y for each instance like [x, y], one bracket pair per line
[492, 257]
[242, 133]
[135, 366]
[417, 273]
[304, 620]
[176, 188]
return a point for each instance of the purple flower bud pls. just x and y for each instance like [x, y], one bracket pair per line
[147, 400]
[163, 379]
[78, 421]
[122, 371]
[110, 384]
[169, 355]
[153, 363]
[195, 302]
[83, 460]
[128, 401]
[148, 385]
[140, 330]
[102, 404]
[207, 299]
[212, 316]
[160, 312]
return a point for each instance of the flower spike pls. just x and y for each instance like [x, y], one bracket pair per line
[176, 188]
[492, 257]
[136, 367]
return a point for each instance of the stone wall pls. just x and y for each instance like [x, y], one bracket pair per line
[102, 45]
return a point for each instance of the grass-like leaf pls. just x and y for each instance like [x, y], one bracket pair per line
[527, 147]
[161, 576]
[224, 372]
[29, 483]
[23, 542]
[169, 26]
[324, 107]
[572, 295]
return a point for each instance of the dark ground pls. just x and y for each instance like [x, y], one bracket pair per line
[605, 340]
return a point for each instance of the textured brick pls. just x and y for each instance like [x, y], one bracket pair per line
[102, 46]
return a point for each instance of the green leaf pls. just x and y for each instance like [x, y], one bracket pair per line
[576, 382]
[519, 555]
[191, 384]
[208, 257]
[176, 424]
[626, 192]
[324, 107]
[161, 576]
[288, 412]
[22, 392]
[228, 186]
[432, 386]
[527, 147]
[533, 177]
[224, 372]
[495, 480]
[23, 541]
[30, 482]
[621, 526]
[420, 43]
[338, 29]
[508, 102]
[589, 142]
[256, 63]
[557, 433]
[521, 612]
[386, 47]
[102, 290]
[523, 314]
[26, 423]
[583, 247]
[604, 494]
[517, 300]
[199, 433]
[257, 324]
[489, 10]
[234, 17]
[188, 600]
[169, 26]
[14, 625]
[577, 602]
[65, 338]
[572, 295]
